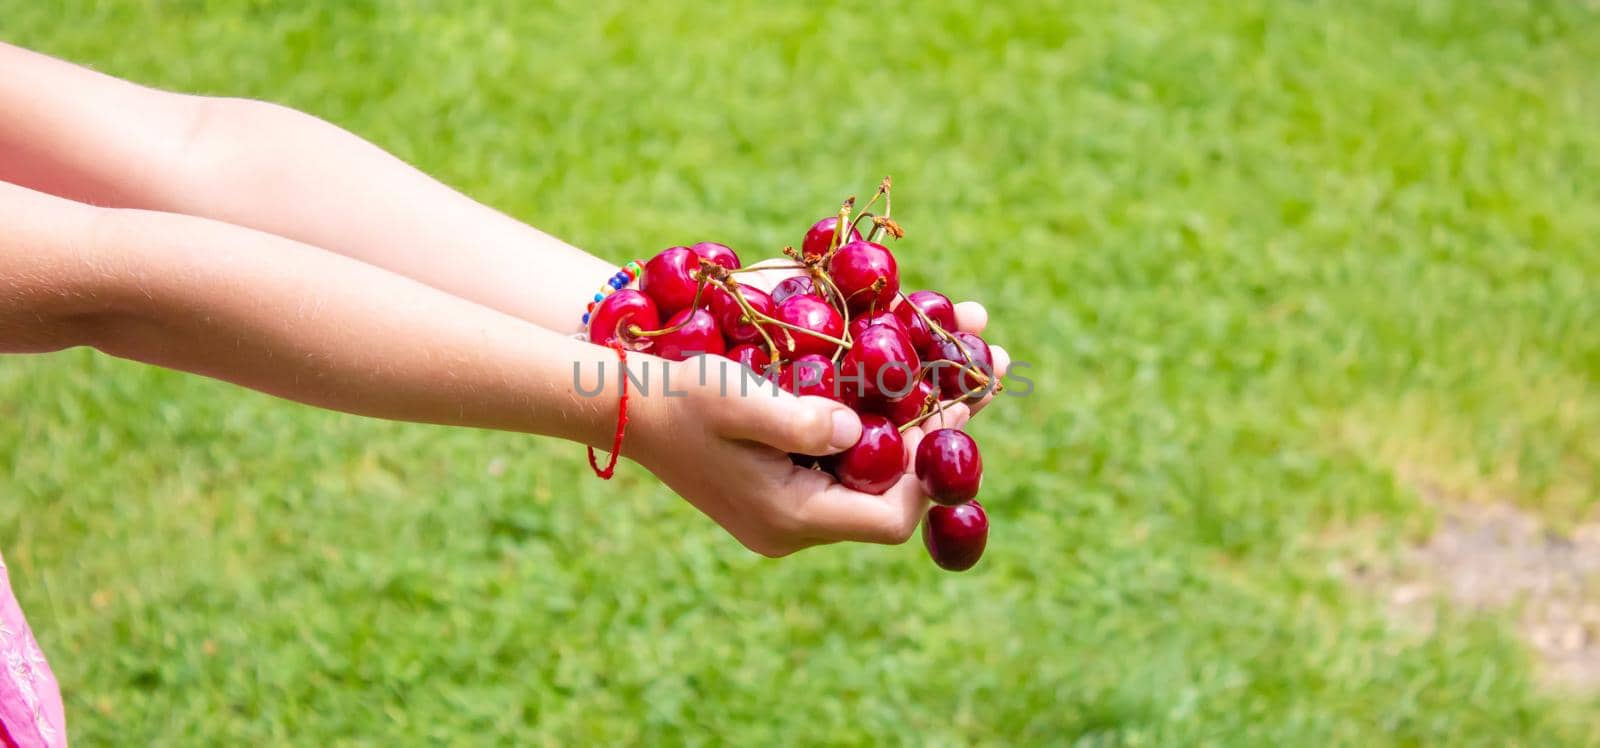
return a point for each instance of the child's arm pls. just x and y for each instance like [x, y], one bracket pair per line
[76, 133]
[310, 325]
[93, 138]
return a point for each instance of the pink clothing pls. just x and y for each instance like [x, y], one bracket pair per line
[31, 715]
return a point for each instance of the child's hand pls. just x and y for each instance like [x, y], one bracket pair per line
[726, 453]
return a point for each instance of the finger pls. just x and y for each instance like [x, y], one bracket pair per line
[1002, 360]
[912, 438]
[838, 513]
[1002, 364]
[808, 425]
[971, 317]
[954, 416]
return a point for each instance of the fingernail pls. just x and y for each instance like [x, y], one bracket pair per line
[846, 429]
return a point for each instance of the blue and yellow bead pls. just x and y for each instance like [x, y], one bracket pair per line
[628, 274]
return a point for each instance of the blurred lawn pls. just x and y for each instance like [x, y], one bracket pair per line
[1271, 262]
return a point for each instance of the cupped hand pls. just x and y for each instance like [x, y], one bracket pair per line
[724, 446]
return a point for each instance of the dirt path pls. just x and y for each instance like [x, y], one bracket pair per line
[1490, 556]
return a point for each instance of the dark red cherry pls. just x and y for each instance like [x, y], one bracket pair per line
[730, 315]
[876, 462]
[949, 466]
[752, 356]
[955, 535]
[669, 279]
[811, 374]
[888, 364]
[798, 285]
[936, 306]
[721, 254]
[699, 334]
[820, 238]
[921, 335]
[807, 313]
[906, 409]
[620, 310]
[858, 269]
[881, 317]
[954, 380]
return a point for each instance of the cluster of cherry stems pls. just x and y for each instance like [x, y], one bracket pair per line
[840, 329]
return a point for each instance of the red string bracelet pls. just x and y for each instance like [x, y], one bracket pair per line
[622, 418]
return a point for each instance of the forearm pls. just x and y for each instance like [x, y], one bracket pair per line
[312, 326]
[295, 321]
[282, 171]
[91, 137]
[48, 279]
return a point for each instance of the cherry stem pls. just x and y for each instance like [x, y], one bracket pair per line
[868, 206]
[642, 333]
[926, 320]
[936, 410]
[838, 231]
[756, 315]
[947, 335]
[750, 314]
[797, 328]
[888, 208]
[975, 370]
[759, 268]
[633, 331]
[844, 307]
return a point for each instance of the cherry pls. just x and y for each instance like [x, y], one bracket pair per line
[730, 316]
[811, 374]
[866, 274]
[903, 410]
[718, 253]
[696, 333]
[799, 285]
[955, 535]
[921, 335]
[819, 239]
[936, 306]
[669, 278]
[807, 313]
[620, 310]
[752, 356]
[880, 317]
[876, 462]
[949, 466]
[902, 352]
[954, 380]
[883, 356]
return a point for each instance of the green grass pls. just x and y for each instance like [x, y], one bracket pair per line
[1265, 259]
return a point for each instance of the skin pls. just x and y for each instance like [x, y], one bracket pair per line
[195, 233]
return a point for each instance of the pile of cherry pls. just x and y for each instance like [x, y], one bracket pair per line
[840, 329]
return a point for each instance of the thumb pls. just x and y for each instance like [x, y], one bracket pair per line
[808, 425]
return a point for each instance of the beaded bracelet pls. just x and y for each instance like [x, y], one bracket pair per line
[628, 274]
